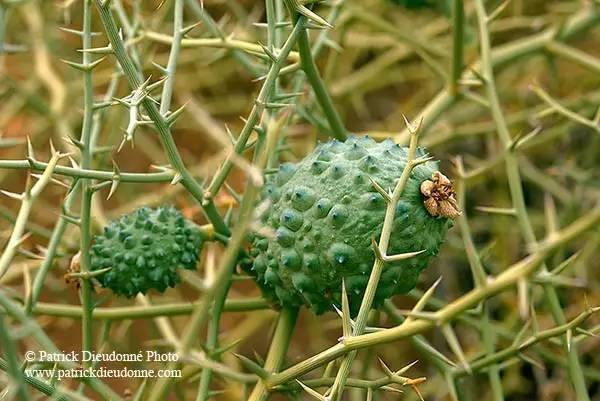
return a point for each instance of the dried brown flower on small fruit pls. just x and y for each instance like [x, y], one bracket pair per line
[440, 198]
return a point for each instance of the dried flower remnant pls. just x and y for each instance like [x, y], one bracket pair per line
[440, 198]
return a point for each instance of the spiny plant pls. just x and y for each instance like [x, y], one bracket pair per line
[143, 249]
[510, 112]
[326, 212]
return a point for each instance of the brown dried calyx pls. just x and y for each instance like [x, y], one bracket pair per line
[440, 198]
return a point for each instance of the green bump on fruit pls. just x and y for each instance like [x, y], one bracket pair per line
[324, 213]
[144, 249]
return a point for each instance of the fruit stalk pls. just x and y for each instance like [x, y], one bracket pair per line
[384, 240]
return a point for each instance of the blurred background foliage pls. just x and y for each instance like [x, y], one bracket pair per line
[383, 59]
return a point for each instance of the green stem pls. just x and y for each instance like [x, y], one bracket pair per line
[458, 30]
[167, 92]
[493, 372]
[314, 78]
[144, 312]
[52, 250]
[86, 191]
[212, 341]
[277, 350]
[138, 178]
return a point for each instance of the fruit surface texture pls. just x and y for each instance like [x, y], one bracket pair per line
[144, 249]
[324, 213]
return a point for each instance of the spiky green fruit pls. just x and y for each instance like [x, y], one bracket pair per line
[325, 212]
[144, 249]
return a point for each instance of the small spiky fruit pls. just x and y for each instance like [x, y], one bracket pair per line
[144, 249]
[325, 212]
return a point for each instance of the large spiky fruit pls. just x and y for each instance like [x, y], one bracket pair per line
[144, 250]
[325, 212]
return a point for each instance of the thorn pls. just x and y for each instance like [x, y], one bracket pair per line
[75, 142]
[269, 53]
[52, 149]
[404, 369]
[422, 302]
[170, 120]
[522, 139]
[416, 390]
[99, 186]
[115, 180]
[421, 160]
[596, 119]
[478, 75]
[535, 327]
[412, 128]
[13, 195]
[30, 255]
[312, 392]
[333, 45]
[497, 210]
[221, 350]
[231, 137]
[586, 333]
[176, 178]
[252, 366]
[30, 152]
[389, 389]
[53, 180]
[273, 105]
[156, 84]
[379, 188]
[497, 12]
[521, 332]
[346, 319]
[70, 219]
[69, 30]
[284, 96]
[160, 68]
[98, 50]
[429, 316]
[23, 238]
[388, 372]
[531, 361]
[392, 258]
[301, 9]
[185, 30]
[455, 346]
[83, 67]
